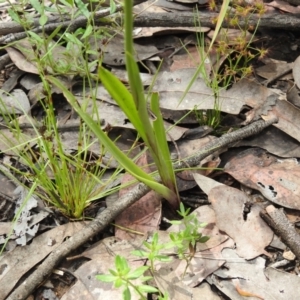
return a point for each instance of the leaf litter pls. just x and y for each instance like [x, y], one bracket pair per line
[237, 260]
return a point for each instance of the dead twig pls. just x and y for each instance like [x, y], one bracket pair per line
[110, 213]
[178, 19]
[280, 224]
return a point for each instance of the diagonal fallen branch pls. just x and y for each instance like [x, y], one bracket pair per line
[109, 214]
[280, 224]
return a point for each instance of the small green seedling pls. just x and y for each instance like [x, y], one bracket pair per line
[153, 251]
[184, 242]
[186, 239]
[123, 276]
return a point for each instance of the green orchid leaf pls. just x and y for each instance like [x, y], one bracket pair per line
[166, 168]
[153, 133]
[122, 96]
[135, 81]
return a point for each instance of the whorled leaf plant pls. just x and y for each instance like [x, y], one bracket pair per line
[147, 120]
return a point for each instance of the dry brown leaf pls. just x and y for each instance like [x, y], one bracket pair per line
[287, 113]
[274, 69]
[206, 184]
[189, 59]
[168, 5]
[21, 61]
[202, 264]
[284, 6]
[205, 292]
[16, 263]
[296, 71]
[292, 94]
[251, 235]
[252, 277]
[16, 102]
[277, 180]
[112, 246]
[144, 215]
[113, 50]
[231, 36]
[152, 31]
[274, 141]
[171, 86]
[189, 1]
[60, 55]
[168, 282]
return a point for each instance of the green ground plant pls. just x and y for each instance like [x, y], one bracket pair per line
[183, 241]
[123, 276]
[147, 121]
[153, 251]
[68, 182]
[145, 117]
[230, 57]
[235, 54]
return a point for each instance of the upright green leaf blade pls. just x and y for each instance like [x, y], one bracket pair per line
[166, 168]
[150, 130]
[122, 96]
